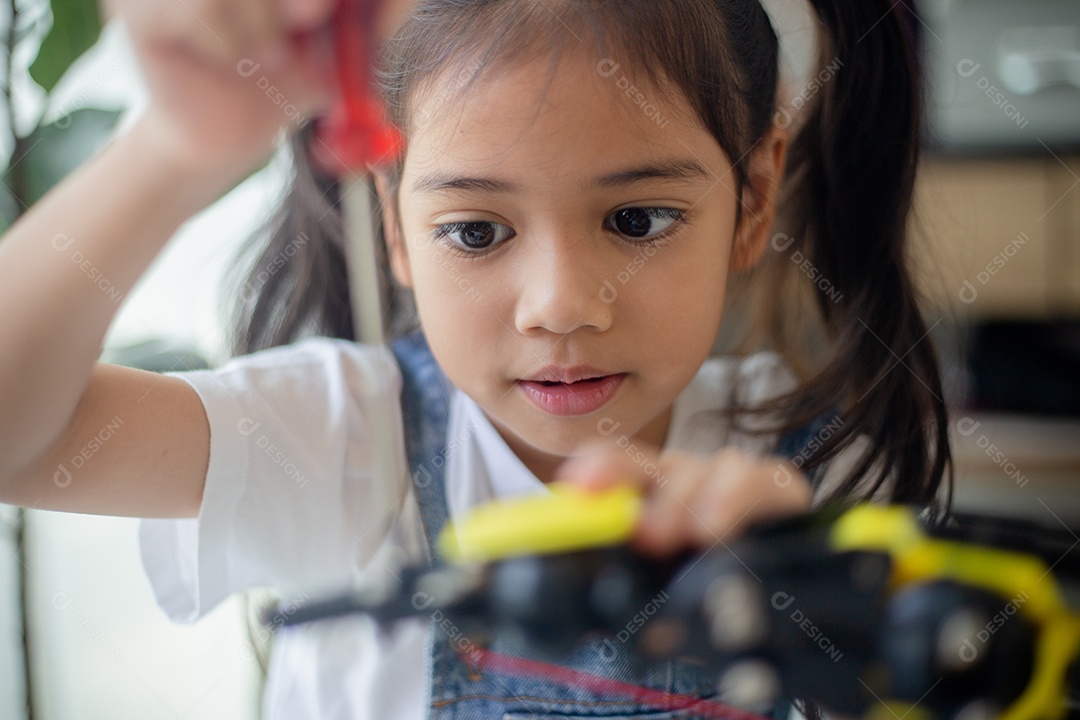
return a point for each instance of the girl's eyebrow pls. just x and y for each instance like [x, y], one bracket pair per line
[676, 169]
[668, 170]
[440, 181]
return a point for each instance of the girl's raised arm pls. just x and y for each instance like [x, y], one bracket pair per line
[63, 265]
[61, 268]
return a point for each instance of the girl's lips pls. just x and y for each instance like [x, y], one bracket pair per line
[569, 399]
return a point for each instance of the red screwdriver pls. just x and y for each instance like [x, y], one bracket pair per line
[352, 139]
[356, 132]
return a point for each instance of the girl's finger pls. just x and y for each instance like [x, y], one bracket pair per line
[691, 501]
[300, 15]
[669, 481]
[305, 15]
[668, 521]
[741, 491]
[216, 31]
[202, 26]
[392, 14]
[602, 464]
[258, 28]
[728, 495]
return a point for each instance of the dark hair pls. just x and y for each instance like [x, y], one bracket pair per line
[847, 196]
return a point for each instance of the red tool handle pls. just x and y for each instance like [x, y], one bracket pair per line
[356, 133]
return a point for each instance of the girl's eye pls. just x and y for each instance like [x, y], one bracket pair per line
[474, 236]
[645, 223]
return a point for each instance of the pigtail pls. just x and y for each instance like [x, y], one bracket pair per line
[298, 282]
[851, 175]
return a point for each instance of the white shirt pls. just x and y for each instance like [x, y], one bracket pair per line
[291, 503]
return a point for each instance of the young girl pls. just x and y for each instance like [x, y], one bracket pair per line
[581, 181]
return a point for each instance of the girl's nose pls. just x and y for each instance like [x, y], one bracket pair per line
[560, 291]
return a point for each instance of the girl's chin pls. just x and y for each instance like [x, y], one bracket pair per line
[552, 440]
[544, 445]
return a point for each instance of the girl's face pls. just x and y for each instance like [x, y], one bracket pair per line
[569, 246]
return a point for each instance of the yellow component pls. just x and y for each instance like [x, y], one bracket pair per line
[1024, 581]
[567, 519]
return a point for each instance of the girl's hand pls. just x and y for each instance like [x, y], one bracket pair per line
[693, 501]
[227, 76]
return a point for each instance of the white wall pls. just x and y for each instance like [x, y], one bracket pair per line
[101, 649]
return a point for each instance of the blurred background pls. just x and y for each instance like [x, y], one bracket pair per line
[998, 227]
[997, 256]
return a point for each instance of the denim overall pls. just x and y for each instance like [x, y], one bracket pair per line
[459, 688]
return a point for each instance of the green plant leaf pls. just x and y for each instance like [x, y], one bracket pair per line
[57, 149]
[76, 26]
[9, 209]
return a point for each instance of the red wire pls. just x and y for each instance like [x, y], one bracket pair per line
[522, 667]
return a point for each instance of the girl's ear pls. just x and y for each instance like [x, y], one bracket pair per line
[396, 251]
[765, 174]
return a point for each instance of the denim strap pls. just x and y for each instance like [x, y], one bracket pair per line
[425, 407]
